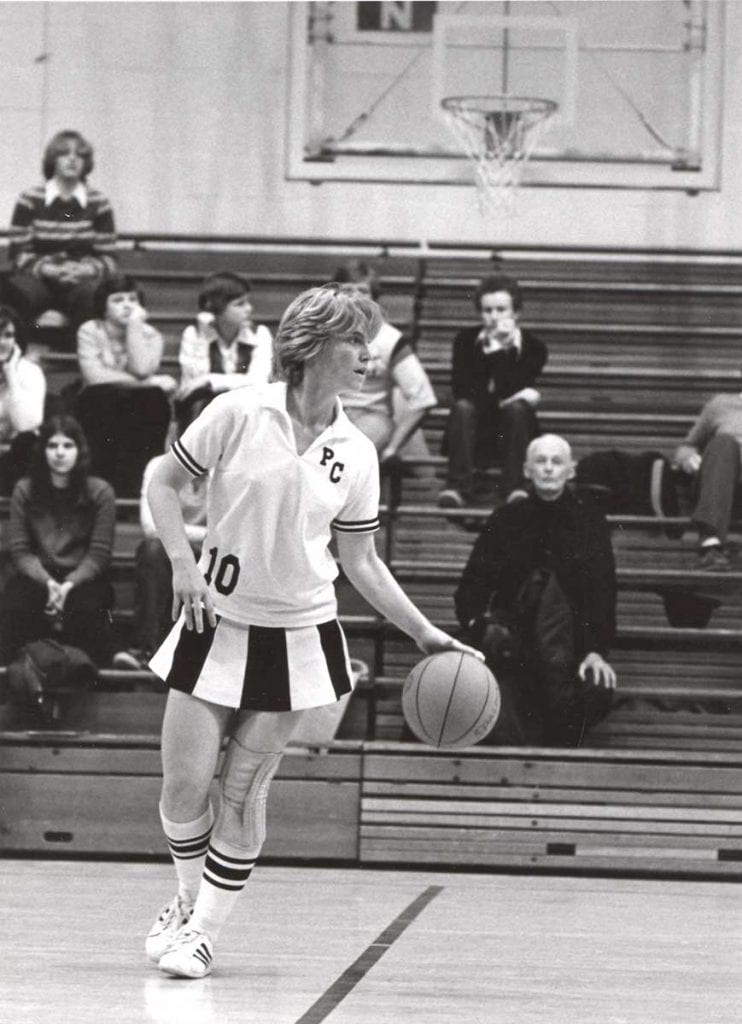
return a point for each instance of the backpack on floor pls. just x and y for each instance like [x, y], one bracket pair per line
[44, 671]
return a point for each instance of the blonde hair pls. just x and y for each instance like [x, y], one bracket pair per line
[316, 317]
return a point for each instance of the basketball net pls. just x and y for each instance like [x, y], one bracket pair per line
[499, 134]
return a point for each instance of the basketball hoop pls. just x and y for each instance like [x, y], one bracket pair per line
[499, 134]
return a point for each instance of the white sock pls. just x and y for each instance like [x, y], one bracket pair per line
[710, 542]
[188, 842]
[226, 870]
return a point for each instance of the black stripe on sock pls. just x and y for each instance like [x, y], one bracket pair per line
[248, 862]
[191, 851]
[265, 684]
[331, 638]
[225, 873]
[189, 656]
[185, 846]
[223, 885]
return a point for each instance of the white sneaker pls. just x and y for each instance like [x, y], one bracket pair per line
[190, 955]
[169, 921]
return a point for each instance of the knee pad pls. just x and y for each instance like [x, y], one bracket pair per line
[243, 788]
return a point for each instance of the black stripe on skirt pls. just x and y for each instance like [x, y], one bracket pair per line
[265, 685]
[332, 645]
[189, 656]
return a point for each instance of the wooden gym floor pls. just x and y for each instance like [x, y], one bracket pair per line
[309, 945]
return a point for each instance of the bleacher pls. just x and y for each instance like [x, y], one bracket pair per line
[638, 340]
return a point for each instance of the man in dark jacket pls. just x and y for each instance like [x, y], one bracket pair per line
[538, 595]
[493, 373]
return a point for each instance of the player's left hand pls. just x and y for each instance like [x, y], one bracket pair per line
[436, 640]
[600, 671]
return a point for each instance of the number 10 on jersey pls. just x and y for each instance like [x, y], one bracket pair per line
[227, 572]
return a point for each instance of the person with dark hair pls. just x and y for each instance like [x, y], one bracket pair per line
[257, 643]
[397, 392]
[22, 395]
[494, 370]
[224, 349]
[62, 235]
[60, 539]
[124, 405]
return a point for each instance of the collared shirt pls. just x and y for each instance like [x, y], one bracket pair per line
[103, 356]
[492, 344]
[479, 377]
[49, 227]
[270, 510]
[52, 191]
[195, 360]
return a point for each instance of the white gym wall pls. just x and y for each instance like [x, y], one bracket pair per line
[186, 104]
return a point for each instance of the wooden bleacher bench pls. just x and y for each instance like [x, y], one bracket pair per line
[637, 340]
[552, 809]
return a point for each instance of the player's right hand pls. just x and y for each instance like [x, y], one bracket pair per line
[191, 592]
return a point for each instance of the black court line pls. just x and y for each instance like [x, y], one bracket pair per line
[350, 977]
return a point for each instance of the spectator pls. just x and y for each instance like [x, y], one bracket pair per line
[153, 602]
[539, 596]
[223, 349]
[494, 371]
[62, 235]
[711, 454]
[60, 537]
[396, 393]
[123, 406]
[22, 394]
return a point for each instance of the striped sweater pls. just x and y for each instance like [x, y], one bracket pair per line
[63, 230]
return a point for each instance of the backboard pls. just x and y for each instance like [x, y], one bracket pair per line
[637, 83]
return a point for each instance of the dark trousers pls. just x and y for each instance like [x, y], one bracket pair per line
[154, 596]
[477, 435]
[30, 296]
[14, 463]
[717, 483]
[125, 428]
[85, 621]
[553, 709]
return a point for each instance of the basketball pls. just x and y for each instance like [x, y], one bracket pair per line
[450, 699]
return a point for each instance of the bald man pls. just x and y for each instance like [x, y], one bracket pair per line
[539, 591]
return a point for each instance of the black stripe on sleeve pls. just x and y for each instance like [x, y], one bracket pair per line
[331, 638]
[186, 459]
[356, 525]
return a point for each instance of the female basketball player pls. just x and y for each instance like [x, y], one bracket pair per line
[258, 640]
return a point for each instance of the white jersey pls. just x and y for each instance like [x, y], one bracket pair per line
[270, 511]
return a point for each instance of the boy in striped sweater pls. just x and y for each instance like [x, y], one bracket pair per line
[62, 235]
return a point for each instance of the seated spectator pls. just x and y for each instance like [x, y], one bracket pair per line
[124, 406]
[22, 394]
[538, 596]
[62, 236]
[494, 371]
[223, 349]
[397, 392]
[711, 454]
[153, 602]
[60, 538]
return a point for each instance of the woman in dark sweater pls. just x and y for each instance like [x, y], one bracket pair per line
[60, 538]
